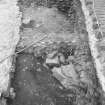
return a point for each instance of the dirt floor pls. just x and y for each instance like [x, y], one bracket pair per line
[58, 69]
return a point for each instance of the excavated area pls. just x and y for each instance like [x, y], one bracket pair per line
[58, 70]
[59, 75]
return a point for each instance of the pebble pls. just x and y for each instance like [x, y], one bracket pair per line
[61, 58]
[69, 71]
[52, 61]
[51, 55]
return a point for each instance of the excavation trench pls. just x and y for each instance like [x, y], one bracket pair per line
[42, 79]
[59, 69]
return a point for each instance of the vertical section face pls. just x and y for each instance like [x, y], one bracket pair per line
[95, 42]
[10, 23]
[10, 20]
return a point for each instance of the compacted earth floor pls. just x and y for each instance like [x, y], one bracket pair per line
[58, 70]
